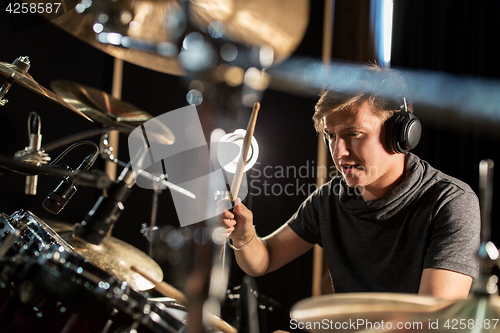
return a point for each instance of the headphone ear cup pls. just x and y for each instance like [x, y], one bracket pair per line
[403, 132]
[412, 132]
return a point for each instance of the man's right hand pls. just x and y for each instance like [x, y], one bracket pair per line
[259, 256]
[238, 224]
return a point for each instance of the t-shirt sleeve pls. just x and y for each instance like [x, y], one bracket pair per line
[305, 221]
[456, 235]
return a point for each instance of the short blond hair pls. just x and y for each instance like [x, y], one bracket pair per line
[332, 101]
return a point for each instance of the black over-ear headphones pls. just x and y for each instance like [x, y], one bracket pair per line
[403, 130]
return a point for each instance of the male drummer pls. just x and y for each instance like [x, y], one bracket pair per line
[389, 223]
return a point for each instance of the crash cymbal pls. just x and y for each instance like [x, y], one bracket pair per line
[18, 72]
[107, 110]
[146, 32]
[361, 308]
[116, 257]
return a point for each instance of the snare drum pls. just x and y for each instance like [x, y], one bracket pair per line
[44, 287]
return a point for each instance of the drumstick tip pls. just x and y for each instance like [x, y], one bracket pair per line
[256, 106]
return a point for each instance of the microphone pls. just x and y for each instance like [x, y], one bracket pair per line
[35, 134]
[106, 211]
[57, 199]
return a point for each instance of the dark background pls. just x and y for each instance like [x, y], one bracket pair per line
[452, 36]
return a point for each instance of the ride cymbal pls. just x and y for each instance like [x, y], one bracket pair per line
[147, 32]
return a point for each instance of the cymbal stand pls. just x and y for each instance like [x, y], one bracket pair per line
[479, 307]
[488, 253]
[22, 65]
[107, 154]
[154, 212]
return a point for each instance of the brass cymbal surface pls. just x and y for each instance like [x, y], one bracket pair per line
[146, 32]
[107, 110]
[116, 257]
[98, 105]
[383, 312]
[26, 80]
[373, 307]
[112, 255]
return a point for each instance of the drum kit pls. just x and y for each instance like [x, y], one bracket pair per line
[55, 279]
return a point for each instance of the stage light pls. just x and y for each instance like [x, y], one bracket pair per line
[228, 154]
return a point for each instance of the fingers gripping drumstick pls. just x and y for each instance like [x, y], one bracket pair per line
[238, 175]
[168, 291]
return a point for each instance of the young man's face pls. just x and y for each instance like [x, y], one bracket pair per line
[357, 140]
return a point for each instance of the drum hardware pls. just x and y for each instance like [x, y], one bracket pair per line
[18, 72]
[112, 255]
[21, 64]
[94, 178]
[168, 291]
[232, 306]
[78, 137]
[33, 153]
[158, 180]
[45, 283]
[65, 294]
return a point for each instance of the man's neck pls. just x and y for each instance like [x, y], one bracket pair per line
[384, 185]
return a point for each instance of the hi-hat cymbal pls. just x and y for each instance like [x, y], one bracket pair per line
[112, 255]
[107, 110]
[116, 257]
[145, 32]
[19, 75]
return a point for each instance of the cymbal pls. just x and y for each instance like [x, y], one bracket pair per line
[148, 36]
[98, 105]
[476, 314]
[107, 110]
[116, 257]
[385, 312]
[21, 76]
[112, 255]
[373, 307]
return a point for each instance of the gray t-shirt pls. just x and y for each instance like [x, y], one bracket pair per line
[431, 220]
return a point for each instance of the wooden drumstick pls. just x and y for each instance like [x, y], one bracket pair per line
[163, 288]
[238, 175]
[168, 291]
